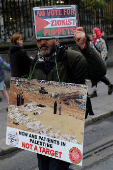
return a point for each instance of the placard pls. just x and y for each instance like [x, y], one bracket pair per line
[46, 117]
[55, 21]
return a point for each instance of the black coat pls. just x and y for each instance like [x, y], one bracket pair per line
[19, 61]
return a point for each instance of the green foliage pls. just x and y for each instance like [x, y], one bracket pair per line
[96, 4]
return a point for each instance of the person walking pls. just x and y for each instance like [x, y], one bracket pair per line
[19, 60]
[3, 66]
[49, 64]
[100, 47]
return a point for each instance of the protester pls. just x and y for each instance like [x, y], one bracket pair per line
[19, 60]
[49, 64]
[3, 66]
[100, 46]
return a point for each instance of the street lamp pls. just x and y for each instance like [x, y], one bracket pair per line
[60, 2]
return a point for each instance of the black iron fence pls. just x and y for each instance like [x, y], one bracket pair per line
[16, 16]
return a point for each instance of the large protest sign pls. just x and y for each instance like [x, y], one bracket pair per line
[46, 117]
[55, 21]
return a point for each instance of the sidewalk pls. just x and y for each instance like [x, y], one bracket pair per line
[103, 104]
[102, 107]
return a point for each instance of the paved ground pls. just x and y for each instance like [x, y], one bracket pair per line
[102, 107]
[103, 104]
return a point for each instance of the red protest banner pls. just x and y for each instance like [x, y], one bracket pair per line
[57, 22]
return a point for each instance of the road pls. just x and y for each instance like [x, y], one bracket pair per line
[100, 161]
[96, 134]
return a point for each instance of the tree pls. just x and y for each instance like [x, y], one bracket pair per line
[96, 4]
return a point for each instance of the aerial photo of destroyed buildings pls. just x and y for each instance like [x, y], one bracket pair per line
[48, 108]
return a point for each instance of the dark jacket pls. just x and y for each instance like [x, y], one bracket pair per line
[81, 66]
[19, 61]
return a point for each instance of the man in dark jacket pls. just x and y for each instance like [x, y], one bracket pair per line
[49, 65]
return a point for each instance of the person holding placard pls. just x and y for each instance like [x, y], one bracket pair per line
[49, 64]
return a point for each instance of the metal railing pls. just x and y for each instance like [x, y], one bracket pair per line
[16, 16]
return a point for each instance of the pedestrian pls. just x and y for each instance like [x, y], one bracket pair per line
[19, 60]
[55, 107]
[60, 106]
[49, 64]
[100, 47]
[3, 66]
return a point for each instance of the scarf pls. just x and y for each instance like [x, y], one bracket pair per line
[98, 34]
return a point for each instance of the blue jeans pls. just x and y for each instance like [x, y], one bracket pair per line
[48, 163]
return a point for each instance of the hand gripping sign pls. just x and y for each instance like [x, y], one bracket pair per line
[50, 121]
[55, 21]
